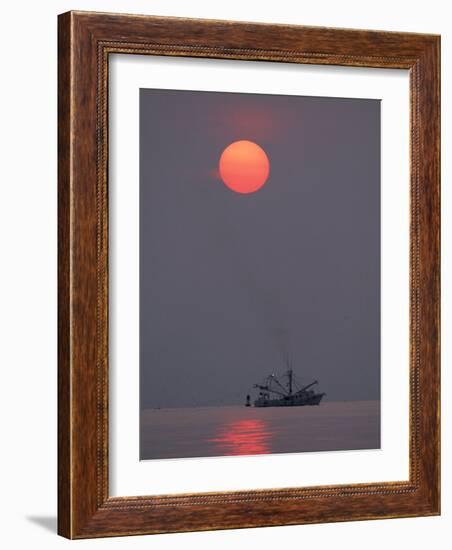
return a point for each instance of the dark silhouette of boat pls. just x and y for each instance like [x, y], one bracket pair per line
[285, 392]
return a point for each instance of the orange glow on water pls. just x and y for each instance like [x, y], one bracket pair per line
[243, 437]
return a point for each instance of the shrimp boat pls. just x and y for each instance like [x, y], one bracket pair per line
[285, 392]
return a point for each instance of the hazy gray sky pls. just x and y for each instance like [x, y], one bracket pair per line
[231, 282]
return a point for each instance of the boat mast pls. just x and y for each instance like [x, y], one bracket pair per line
[289, 373]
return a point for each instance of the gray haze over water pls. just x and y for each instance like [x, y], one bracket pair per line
[229, 283]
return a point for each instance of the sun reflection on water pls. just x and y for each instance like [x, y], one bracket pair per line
[243, 437]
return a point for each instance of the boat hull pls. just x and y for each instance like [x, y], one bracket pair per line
[292, 401]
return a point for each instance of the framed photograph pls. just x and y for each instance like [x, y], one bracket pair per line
[248, 275]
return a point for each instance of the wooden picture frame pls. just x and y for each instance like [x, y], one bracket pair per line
[85, 42]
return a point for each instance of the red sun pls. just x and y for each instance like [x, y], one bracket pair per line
[244, 166]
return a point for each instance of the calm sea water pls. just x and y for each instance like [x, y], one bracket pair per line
[239, 430]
